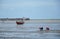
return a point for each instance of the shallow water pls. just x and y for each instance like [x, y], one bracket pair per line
[29, 30]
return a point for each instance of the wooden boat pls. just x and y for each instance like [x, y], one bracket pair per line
[20, 22]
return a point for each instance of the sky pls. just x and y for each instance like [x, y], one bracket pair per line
[34, 9]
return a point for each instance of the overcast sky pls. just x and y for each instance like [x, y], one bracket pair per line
[35, 9]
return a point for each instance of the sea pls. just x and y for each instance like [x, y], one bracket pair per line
[30, 29]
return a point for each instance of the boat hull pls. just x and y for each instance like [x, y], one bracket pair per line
[19, 22]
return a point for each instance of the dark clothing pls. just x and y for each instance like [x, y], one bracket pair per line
[47, 28]
[41, 28]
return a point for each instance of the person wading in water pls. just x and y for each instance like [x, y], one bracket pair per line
[47, 28]
[41, 28]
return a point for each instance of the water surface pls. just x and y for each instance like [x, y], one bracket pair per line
[29, 30]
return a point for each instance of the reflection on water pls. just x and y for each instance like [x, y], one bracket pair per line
[10, 30]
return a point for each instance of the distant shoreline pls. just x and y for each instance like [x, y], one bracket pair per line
[30, 20]
[22, 19]
[10, 18]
